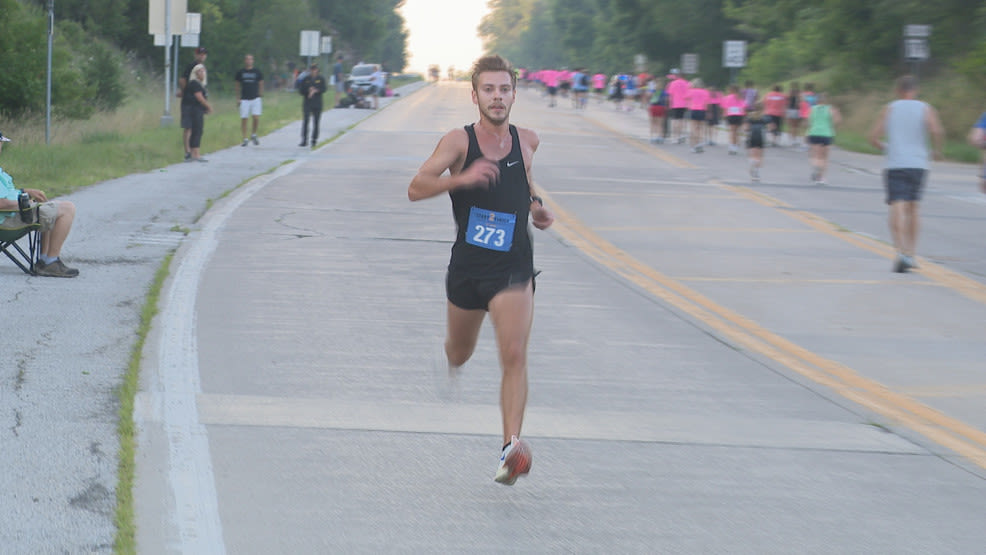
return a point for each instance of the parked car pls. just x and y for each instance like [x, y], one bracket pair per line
[361, 78]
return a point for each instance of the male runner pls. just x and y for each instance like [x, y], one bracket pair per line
[492, 263]
[907, 123]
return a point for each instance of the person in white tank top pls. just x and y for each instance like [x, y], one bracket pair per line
[902, 132]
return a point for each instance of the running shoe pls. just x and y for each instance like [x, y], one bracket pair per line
[254, 139]
[515, 461]
[755, 173]
[448, 386]
[245, 142]
[815, 175]
[910, 263]
[899, 265]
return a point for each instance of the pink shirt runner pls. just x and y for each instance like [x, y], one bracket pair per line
[698, 99]
[599, 81]
[678, 91]
[734, 105]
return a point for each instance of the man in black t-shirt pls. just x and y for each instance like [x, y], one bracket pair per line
[200, 55]
[312, 87]
[249, 90]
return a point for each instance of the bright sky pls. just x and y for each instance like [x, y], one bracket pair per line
[443, 32]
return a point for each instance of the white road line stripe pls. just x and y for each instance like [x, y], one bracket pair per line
[177, 386]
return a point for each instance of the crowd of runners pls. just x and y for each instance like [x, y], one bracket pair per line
[688, 111]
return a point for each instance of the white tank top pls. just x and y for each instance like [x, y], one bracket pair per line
[907, 135]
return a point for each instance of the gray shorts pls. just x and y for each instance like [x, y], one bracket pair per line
[47, 212]
[905, 184]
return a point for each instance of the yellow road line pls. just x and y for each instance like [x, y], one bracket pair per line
[951, 433]
[649, 149]
[707, 229]
[939, 274]
[898, 283]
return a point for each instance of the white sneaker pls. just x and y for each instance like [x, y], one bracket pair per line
[448, 387]
[515, 461]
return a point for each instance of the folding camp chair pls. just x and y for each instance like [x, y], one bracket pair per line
[25, 260]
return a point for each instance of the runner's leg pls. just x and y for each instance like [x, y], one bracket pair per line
[512, 313]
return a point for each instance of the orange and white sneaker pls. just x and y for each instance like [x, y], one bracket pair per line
[515, 461]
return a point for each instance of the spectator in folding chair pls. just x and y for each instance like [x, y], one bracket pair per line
[55, 217]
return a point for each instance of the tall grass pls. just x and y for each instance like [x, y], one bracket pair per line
[959, 104]
[130, 140]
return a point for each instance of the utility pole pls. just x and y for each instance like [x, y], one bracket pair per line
[51, 33]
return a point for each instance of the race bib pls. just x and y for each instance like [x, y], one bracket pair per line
[491, 230]
[733, 111]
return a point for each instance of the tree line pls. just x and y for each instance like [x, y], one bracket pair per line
[853, 40]
[99, 43]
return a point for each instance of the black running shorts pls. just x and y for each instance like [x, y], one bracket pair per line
[905, 184]
[470, 293]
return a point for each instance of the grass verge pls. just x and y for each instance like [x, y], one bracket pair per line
[128, 141]
[126, 536]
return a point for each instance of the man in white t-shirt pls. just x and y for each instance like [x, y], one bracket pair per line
[379, 81]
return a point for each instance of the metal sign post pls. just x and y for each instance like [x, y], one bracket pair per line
[689, 64]
[310, 43]
[51, 34]
[916, 46]
[733, 56]
[164, 19]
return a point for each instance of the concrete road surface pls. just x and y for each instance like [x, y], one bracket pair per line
[716, 366]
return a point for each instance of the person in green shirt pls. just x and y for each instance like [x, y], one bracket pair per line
[821, 132]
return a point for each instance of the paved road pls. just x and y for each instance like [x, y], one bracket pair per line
[715, 367]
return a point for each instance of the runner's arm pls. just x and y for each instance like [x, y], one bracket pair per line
[879, 130]
[449, 155]
[937, 131]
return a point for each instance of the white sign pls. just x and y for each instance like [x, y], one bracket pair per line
[917, 31]
[640, 62]
[734, 53]
[193, 23]
[309, 43]
[916, 49]
[155, 16]
[190, 40]
[689, 64]
[326, 45]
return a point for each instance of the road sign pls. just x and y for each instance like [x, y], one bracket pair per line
[193, 23]
[156, 17]
[916, 49]
[310, 43]
[640, 62]
[917, 31]
[689, 64]
[326, 45]
[734, 53]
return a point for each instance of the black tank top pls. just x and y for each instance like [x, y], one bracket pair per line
[511, 196]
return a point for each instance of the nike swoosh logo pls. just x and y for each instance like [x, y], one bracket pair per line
[512, 164]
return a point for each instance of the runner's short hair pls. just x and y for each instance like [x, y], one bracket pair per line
[492, 63]
[906, 83]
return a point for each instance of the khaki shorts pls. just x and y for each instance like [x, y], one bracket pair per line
[47, 212]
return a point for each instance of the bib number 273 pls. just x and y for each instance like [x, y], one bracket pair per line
[491, 230]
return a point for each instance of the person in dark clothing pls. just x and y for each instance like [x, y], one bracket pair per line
[195, 105]
[200, 55]
[485, 168]
[312, 87]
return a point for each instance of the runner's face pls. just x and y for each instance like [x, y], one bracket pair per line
[494, 96]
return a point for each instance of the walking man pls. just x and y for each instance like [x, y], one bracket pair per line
[492, 263]
[906, 123]
[311, 89]
[249, 90]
